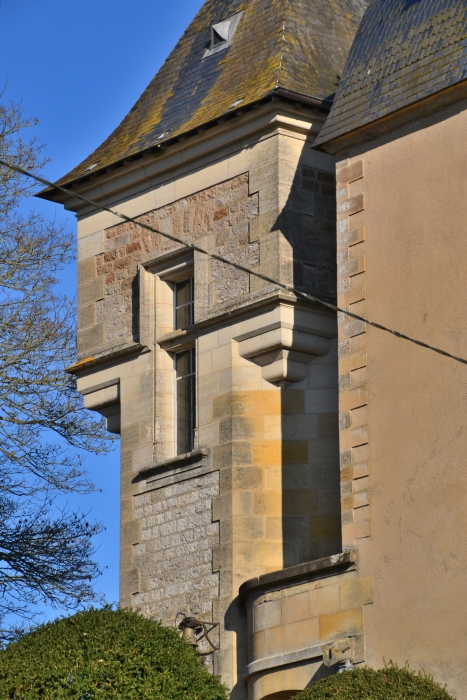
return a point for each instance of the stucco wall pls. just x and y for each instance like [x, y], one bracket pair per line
[412, 258]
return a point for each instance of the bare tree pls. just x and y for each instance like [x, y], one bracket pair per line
[45, 555]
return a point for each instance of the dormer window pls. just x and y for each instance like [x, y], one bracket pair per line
[222, 34]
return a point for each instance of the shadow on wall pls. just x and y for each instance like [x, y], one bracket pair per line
[311, 513]
[306, 472]
[235, 620]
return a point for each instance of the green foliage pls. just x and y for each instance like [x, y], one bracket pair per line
[389, 683]
[105, 654]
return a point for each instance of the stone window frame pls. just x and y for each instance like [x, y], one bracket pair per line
[156, 282]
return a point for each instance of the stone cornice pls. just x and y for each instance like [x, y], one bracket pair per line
[326, 565]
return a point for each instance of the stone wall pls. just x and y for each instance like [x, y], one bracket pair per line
[294, 614]
[270, 206]
[219, 216]
[175, 550]
[294, 243]
[314, 239]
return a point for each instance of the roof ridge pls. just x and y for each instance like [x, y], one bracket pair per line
[282, 53]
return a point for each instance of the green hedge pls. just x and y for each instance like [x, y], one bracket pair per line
[389, 683]
[105, 654]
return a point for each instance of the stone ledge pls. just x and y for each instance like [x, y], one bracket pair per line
[328, 565]
[279, 324]
[110, 355]
[177, 340]
[176, 469]
[284, 659]
[293, 657]
[98, 387]
[284, 349]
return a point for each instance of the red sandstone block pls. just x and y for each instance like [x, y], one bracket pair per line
[221, 214]
[132, 248]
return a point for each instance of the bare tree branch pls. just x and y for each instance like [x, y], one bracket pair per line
[45, 555]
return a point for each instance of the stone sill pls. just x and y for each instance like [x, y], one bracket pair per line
[333, 564]
[177, 340]
[176, 469]
[177, 461]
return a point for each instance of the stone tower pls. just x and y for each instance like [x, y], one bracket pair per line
[223, 387]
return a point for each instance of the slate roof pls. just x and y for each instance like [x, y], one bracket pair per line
[405, 50]
[298, 45]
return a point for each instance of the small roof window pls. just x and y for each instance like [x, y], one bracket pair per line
[222, 34]
[91, 167]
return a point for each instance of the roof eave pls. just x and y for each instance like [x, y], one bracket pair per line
[427, 106]
[323, 104]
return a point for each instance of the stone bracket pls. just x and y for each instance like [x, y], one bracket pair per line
[105, 399]
[284, 349]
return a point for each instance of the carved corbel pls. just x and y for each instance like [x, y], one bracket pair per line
[105, 399]
[284, 349]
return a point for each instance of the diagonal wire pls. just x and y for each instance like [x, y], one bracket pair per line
[192, 246]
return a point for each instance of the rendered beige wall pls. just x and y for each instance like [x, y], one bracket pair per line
[412, 263]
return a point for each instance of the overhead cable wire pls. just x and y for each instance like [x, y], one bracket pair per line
[238, 266]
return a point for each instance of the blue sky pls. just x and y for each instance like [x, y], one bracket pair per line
[79, 67]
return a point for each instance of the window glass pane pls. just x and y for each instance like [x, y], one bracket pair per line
[183, 317]
[183, 292]
[185, 400]
[184, 303]
[182, 363]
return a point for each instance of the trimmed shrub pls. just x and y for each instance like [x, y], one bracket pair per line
[389, 683]
[105, 654]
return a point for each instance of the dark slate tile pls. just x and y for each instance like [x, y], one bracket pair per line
[404, 50]
[300, 45]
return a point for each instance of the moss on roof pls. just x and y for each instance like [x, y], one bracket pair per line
[299, 45]
[404, 51]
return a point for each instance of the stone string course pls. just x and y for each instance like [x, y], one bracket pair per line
[175, 550]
